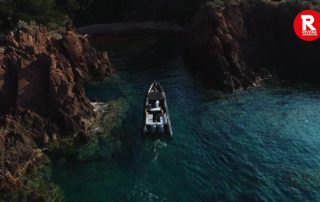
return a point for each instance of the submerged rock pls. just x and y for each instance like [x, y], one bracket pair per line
[42, 98]
[236, 44]
[103, 144]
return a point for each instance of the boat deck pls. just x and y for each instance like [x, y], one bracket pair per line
[149, 120]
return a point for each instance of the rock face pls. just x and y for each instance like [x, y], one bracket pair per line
[236, 44]
[42, 97]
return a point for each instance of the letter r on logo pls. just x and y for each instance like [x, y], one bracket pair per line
[307, 21]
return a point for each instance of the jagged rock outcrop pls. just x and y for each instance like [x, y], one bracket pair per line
[237, 43]
[42, 97]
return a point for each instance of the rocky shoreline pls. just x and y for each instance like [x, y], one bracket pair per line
[233, 46]
[237, 44]
[42, 98]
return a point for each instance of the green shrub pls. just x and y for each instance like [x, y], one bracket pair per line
[43, 12]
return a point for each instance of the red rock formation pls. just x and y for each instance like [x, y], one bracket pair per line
[236, 43]
[42, 96]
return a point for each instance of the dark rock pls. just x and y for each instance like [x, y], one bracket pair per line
[237, 44]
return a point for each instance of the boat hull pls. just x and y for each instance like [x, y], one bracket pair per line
[156, 119]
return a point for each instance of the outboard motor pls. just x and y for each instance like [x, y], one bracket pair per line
[152, 128]
[160, 129]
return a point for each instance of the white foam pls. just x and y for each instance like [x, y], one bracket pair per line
[100, 106]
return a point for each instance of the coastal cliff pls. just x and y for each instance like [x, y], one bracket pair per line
[42, 98]
[237, 44]
[233, 45]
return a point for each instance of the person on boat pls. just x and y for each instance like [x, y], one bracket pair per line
[157, 104]
[155, 113]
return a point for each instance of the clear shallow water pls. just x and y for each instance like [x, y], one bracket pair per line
[259, 145]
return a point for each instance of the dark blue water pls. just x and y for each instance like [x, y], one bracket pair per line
[259, 145]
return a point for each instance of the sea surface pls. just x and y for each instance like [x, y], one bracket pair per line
[262, 144]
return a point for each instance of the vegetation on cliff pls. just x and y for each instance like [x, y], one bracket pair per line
[46, 12]
[55, 13]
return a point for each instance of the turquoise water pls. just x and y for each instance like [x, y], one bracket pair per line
[259, 145]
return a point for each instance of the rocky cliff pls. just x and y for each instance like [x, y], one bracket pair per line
[42, 98]
[236, 44]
